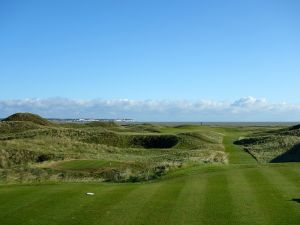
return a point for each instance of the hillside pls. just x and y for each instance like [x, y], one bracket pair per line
[281, 145]
[28, 117]
[126, 153]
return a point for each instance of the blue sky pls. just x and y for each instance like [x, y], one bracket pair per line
[158, 50]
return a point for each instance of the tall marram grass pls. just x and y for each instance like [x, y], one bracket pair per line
[143, 151]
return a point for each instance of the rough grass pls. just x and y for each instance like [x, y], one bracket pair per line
[152, 152]
[29, 117]
[17, 126]
[24, 142]
[133, 140]
[279, 145]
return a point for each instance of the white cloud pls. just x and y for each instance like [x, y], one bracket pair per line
[250, 102]
[244, 109]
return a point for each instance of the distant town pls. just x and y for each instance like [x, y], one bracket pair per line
[87, 120]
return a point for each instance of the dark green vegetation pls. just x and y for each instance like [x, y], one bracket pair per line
[170, 174]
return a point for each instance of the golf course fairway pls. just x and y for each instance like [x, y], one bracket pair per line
[241, 192]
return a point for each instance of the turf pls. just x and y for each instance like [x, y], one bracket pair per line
[236, 154]
[211, 195]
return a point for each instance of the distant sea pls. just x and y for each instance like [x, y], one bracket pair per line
[226, 123]
[198, 123]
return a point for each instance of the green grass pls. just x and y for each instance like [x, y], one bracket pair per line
[187, 174]
[236, 154]
[210, 195]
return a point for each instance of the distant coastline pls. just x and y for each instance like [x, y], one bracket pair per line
[175, 123]
[227, 123]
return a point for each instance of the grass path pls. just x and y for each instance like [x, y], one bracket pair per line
[236, 154]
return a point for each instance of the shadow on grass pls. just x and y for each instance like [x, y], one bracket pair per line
[296, 200]
[292, 155]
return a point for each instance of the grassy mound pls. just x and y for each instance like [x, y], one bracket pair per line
[296, 127]
[185, 140]
[132, 140]
[26, 141]
[154, 141]
[17, 126]
[12, 157]
[199, 140]
[29, 117]
[292, 155]
[145, 127]
[280, 145]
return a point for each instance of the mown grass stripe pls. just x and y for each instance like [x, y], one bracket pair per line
[99, 206]
[72, 204]
[33, 195]
[190, 202]
[273, 204]
[22, 197]
[295, 170]
[246, 208]
[60, 204]
[127, 210]
[158, 209]
[218, 205]
[291, 174]
[11, 193]
[287, 187]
